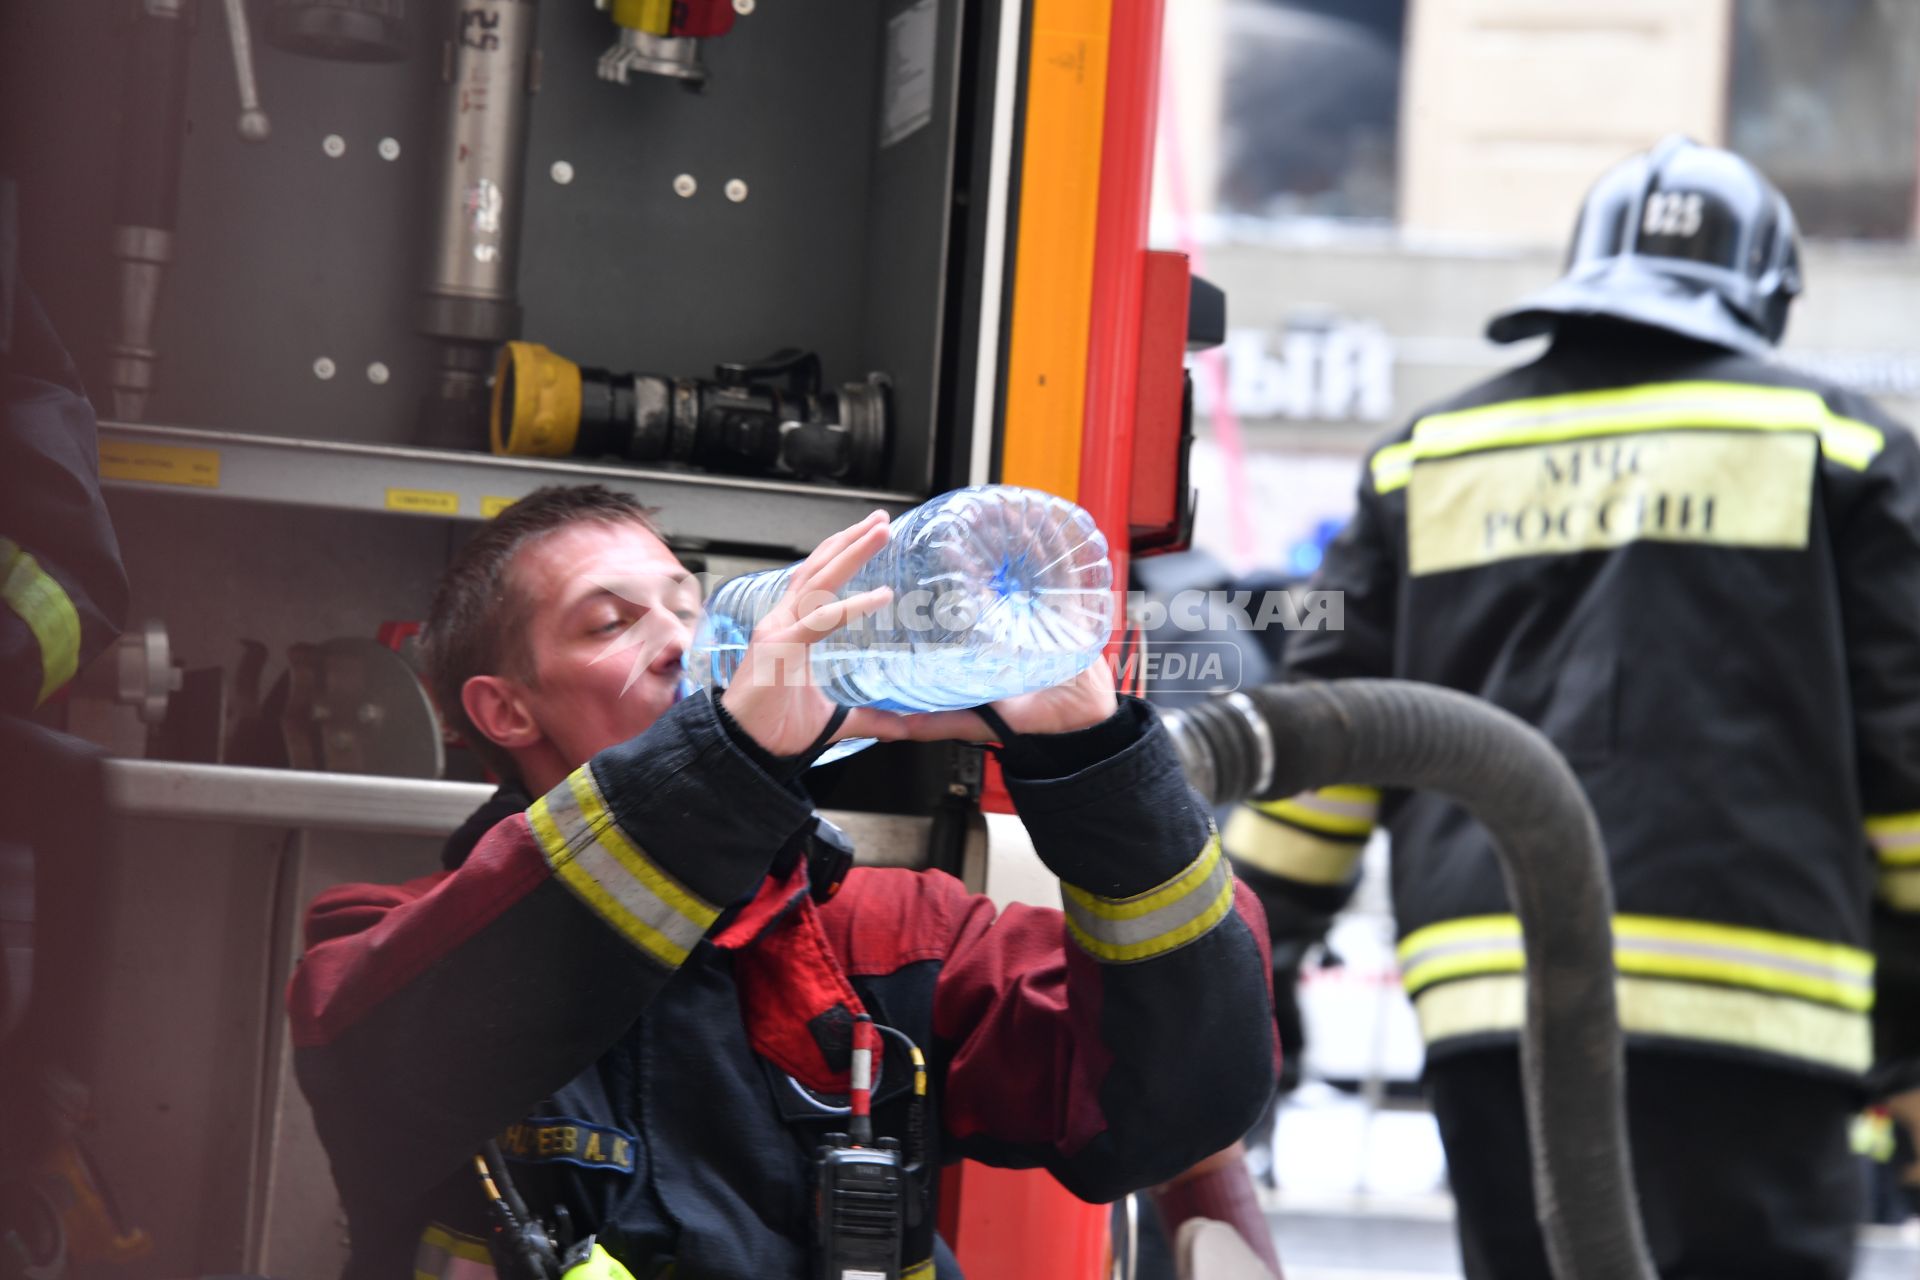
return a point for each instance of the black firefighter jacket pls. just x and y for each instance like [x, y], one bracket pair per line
[656, 1029]
[1699, 575]
[63, 598]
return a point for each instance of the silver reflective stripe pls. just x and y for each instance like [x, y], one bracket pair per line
[1680, 408]
[1629, 410]
[1754, 1020]
[650, 897]
[592, 856]
[1652, 946]
[1785, 964]
[1321, 802]
[1123, 930]
[1440, 950]
[1156, 923]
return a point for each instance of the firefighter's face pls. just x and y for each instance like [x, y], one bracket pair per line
[609, 617]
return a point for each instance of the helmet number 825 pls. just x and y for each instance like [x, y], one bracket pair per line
[1672, 213]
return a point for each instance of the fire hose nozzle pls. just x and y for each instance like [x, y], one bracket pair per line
[768, 417]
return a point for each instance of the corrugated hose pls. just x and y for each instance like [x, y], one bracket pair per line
[1279, 740]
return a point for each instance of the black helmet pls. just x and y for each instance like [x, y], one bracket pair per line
[1686, 238]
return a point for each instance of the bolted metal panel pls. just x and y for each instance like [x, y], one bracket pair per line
[801, 230]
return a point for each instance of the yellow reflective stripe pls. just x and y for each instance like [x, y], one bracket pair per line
[1333, 811]
[1392, 464]
[1835, 955]
[1748, 1019]
[592, 856]
[1640, 424]
[1851, 442]
[1654, 946]
[1453, 948]
[440, 1245]
[1753, 1020]
[552, 843]
[1450, 932]
[1570, 413]
[1900, 889]
[594, 809]
[1476, 1006]
[1734, 973]
[1896, 838]
[1509, 959]
[639, 932]
[1260, 842]
[1301, 814]
[1155, 899]
[43, 604]
[1733, 402]
[1660, 406]
[919, 1271]
[1147, 949]
[1163, 919]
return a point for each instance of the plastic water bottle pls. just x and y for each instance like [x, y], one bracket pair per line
[997, 591]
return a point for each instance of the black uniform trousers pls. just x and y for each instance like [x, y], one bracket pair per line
[1745, 1172]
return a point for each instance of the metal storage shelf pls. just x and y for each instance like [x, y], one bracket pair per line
[343, 476]
[405, 806]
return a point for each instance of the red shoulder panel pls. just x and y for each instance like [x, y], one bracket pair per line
[367, 941]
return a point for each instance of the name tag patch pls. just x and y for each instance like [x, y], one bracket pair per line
[1716, 488]
[565, 1141]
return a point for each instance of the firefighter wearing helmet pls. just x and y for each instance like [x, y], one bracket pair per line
[1698, 572]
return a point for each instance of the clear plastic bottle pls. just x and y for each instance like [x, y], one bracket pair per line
[997, 591]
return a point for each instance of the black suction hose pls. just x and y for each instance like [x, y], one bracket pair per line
[1281, 739]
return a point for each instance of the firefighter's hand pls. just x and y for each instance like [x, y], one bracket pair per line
[772, 695]
[1082, 702]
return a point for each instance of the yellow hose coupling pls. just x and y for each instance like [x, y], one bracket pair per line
[536, 402]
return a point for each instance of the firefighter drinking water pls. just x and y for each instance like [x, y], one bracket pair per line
[637, 998]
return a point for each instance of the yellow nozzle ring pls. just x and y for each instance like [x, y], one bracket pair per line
[655, 17]
[543, 418]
